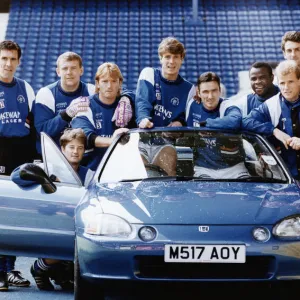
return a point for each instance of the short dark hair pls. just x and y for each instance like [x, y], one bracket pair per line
[261, 64]
[11, 45]
[290, 36]
[207, 77]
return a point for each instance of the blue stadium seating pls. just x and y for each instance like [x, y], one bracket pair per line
[232, 35]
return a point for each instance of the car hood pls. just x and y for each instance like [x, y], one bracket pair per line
[175, 202]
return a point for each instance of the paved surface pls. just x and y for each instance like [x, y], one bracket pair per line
[153, 291]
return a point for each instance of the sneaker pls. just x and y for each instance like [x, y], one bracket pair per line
[15, 279]
[3, 281]
[63, 275]
[41, 279]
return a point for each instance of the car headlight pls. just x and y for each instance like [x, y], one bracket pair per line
[107, 225]
[261, 234]
[289, 227]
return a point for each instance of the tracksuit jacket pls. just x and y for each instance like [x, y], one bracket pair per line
[279, 113]
[224, 116]
[160, 100]
[50, 109]
[97, 122]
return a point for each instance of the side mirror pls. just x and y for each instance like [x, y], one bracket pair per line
[35, 173]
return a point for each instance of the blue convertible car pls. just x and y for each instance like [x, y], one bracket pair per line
[229, 211]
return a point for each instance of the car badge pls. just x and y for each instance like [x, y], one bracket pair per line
[203, 228]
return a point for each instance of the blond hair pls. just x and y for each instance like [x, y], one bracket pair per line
[110, 69]
[286, 67]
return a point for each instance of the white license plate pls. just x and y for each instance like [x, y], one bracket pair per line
[205, 253]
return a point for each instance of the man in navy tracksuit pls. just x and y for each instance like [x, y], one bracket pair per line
[220, 156]
[279, 116]
[57, 103]
[97, 122]
[16, 136]
[161, 98]
[261, 80]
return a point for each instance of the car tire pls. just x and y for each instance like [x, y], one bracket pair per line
[84, 290]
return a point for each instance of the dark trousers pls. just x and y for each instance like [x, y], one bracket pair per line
[7, 263]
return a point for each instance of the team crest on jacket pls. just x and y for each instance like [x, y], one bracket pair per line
[2, 105]
[21, 99]
[175, 101]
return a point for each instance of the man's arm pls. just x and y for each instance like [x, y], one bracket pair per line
[45, 118]
[144, 95]
[231, 120]
[259, 121]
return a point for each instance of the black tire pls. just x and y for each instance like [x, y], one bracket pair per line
[84, 290]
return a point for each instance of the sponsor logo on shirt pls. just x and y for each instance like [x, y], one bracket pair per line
[157, 92]
[175, 101]
[162, 112]
[61, 105]
[2, 94]
[21, 99]
[2, 104]
[10, 117]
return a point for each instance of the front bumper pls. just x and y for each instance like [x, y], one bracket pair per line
[101, 258]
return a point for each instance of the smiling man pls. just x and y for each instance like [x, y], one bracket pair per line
[279, 116]
[57, 103]
[97, 122]
[162, 94]
[209, 109]
[16, 136]
[261, 80]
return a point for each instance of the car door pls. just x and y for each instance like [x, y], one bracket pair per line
[33, 223]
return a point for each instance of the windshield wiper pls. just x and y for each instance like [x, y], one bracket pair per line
[193, 178]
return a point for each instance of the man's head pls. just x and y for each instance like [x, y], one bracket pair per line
[290, 46]
[72, 144]
[209, 90]
[10, 54]
[69, 68]
[108, 82]
[171, 54]
[288, 74]
[261, 78]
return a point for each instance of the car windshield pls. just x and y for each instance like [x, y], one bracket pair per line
[192, 155]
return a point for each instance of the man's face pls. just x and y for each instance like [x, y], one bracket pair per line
[73, 152]
[289, 86]
[69, 72]
[292, 51]
[8, 64]
[261, 81]
[170, 64]
[109, 86]
[210, 93]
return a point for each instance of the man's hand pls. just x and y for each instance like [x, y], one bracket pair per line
[294, 143]
[175, 124]
[282, 136]
[78, 105]
[145, 123]
[119, 131]
[123, 112]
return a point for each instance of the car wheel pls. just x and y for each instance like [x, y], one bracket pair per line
[84, 290]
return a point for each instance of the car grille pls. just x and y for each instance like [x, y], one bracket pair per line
[256, 267]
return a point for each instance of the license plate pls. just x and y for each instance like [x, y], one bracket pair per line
[205, 253]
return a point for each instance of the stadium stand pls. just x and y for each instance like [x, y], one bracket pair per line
[231, 36]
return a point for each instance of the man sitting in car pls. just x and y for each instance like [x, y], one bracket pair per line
[72, 144]
[210, 110]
